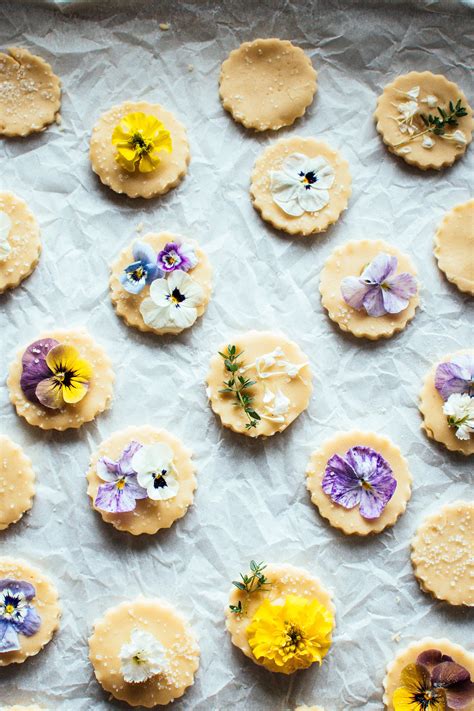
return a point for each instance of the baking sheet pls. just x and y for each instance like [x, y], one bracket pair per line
[251, 500]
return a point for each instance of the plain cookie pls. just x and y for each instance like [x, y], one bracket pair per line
[454, 246]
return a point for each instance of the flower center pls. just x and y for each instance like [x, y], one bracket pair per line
[140, 144]
[308, 178]
[137, 274]
[139, 658]
[365, 485]
[120, 484]
[63, 378]
[171, 259]
[426, 698]
[176, 297]
[293, 638]
[159, 481]
[9, 608]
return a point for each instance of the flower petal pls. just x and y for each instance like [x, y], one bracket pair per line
[159, 291]
[380, 268]
[107, 469]
[341, 483]
[373, 302]
[9, 641]
[431, 657]
[124, 464]
[63, 357]
[312, 200]
[49, 394]
[114, 500]
[152, 457]
[143, 252]
[74, 392]
[153, 315]
[415, 678]
[282, 186]
[34, 366]
[183, 316]
[354, 291]
[402, 285]
[18, 586]
[294, 164]
[450, 378]
[163, 493]
[31, 624]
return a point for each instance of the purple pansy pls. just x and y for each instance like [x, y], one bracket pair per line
[122, 490]
[361, 478]
[378, 290]
[34, 366]
[143, 270]
[17, 615]
[177, 255]
[456, 376]
[446, 674]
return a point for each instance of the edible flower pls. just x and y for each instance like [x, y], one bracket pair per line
[362, 477]
[155, 473]
[265, 363]
[139, 139]
[121, 491]
[456, 376]
[302, 184]
[276, 405]
[143, 270]
[459, 409]
[17, 614]
[142, 657]
[292, 635]
[5, 228]
[377, 289]
[172, 302]
[175, 255]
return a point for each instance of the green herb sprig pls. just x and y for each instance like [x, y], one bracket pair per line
[438, 124]
[249, 584]
[239, 385]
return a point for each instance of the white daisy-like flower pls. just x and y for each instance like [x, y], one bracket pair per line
[142, 657]
[5, 228]
[408, 109]
[302, 184]
[155, 472]
[265, 363]
[276, 405]
[172, 302]
[459, 409]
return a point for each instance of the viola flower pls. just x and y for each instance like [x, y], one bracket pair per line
[172, 302]
[377, 289]
[143, 270]
[17, 614]
[177, 256]
[142, 657]
[155, 473]
[361, 478]
[456, 376]
[121, 492]
[292, 635]
[5, 228]
[69, 379]
[140, 138]
[34, 367]
[459, 409]
[302, 184]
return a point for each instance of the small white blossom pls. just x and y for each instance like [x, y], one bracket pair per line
[142, 657]
[431, 101]
[459, 137]
[265, 363]
[427, 142]
[276, 405]
[459, 409]
[408, 109]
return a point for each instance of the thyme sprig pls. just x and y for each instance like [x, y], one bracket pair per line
[239, 385]
[438, 124]
[249, 584]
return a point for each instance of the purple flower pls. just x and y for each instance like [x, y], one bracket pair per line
[446, 674]
[143, 270]
[377, 289]
[177, 256]
[122, 490]
[17, 615]
[34, 366]
[456, 376]
[361, 478]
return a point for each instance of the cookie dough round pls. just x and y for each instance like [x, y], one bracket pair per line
[127, 305]
[45, 602]
[172, 166]
[96, 401]
[309, 222]
[30, 96]
[435, 422]
[17, 483]
[409, 655]
[294, 391]
[284, 580]
[267, 84]
[149, 516]
[429, 150]
[162, 621]
[443, 554]
[454, 246]
[350, 521]
[20, 244]
[350, 259]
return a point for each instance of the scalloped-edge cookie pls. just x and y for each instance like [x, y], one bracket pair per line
[454, 246]
[267, 84]
[34, 707]
[398, 120]
[300, 185]
[17, 482]
[20, 243]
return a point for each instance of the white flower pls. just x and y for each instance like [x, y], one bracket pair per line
[264, 364]
[430, 101]
[414, 92]
[459, 137]
[408, 109]
[142, 657]
[155, 473]
[427, 142]
[276, 405]
[459, 409]
[5, 228]
[302, 184]
[172, 302]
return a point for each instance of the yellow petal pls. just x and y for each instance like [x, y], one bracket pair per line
[403, 700]
[127, 152]
[415, 678]
[63, 358]
[120, 135]
[74, 392]
[163, 142]
[146, 164]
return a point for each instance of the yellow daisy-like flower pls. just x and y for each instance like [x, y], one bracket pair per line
[417, 693]
[293, 635]
[139, 139]
[69, 380]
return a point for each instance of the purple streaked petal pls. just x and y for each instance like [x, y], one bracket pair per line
[354, 291]
[379, 269]
[107, 469]
[34, 368]
[340, 482]
[30, 625]
[124, 464]
[114, 500]
[431, 657]
[451, 378]
[373, 302]
[392, 303]
[466, 362]
[134, 489]
[18, 586]
[402, 285]
[449, 674]
[373, 502]
[9, 641]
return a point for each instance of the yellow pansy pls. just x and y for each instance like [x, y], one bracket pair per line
[139, 139]
[417, 693]
[69, 380]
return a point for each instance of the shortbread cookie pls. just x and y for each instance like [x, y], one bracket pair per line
[17, 483]
[20, 244]
[353, 461]
[281, 383]
[23, 587]
[454, 246]
[443, 554]
[30, 96]
[172, 158]
[393, 682]
[424, 142]
[24, 708]
[77, 387]
[173, 261]
[300, 185]
[141, 499]
[309, 708]
[147, 642]
[267, 84]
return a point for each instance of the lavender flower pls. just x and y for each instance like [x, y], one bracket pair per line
[456, 376]
[122, 490]
[17, 615]
[361, 478]
[143, 270]
[377, 289]
[35, 368]
[177, 255]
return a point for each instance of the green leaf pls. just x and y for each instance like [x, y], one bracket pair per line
[238, 585]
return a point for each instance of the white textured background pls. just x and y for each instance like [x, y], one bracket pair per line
[251, 499]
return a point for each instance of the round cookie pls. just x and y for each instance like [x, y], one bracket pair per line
[454, 246]
[267, 84]
[34, 707]
[282, 383]
[32, 638]
[31, 93]
[309, 708]
[392, 680]
[292, 168]
[161, 620]
[17, 483]
[20, 244]
[149, 516]
[350, 521]
[443, 554]
[97, 399]
[348, 260]
[398, 119]
[172, 166]
[127, 305]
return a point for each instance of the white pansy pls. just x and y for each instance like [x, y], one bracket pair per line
[5, 229]
[276, 405]
[142, 657]
[155, 473]
[302, 184]
[427, 142]
[265, 363]
[459, 409]
[172, 302]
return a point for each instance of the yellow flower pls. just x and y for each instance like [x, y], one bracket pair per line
[69, 380]
[290, 636]
[417, 693]
[139, 139]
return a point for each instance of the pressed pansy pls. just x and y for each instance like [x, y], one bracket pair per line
[362, 477]
[121, 491]
[378, 289]
[139, 139]
[176, 255]
[17, 614]
[155, 473]
[5, 229]
[142, 657]
[143, 270]
[172, 302]
[459, 409]
[302, 184]
[456, 376]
